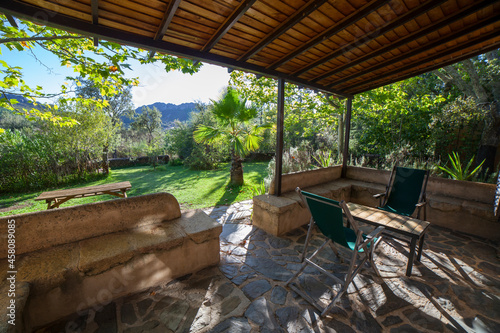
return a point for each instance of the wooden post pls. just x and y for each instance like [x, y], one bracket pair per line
[345, 156]
[279, 137]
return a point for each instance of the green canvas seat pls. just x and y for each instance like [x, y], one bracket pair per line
[329, 216]
[405, 192]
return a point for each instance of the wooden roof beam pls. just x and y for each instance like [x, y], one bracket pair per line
[11, 20]
[95, 17]
[60, 21]
[480, 39]
[457, 34]
[306, 9]
[341, 25]
[465, 56]
[165, 22]
[228, 24]
[411, 14]
[463, 12]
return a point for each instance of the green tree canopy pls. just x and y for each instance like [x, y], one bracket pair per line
[149, 121]
[104, 65]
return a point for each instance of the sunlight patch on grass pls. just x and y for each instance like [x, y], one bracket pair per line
[193, 189]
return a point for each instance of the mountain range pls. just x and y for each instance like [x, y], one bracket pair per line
[169, 112]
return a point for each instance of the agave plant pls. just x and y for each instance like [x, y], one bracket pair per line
[324, 159]
[456, 171]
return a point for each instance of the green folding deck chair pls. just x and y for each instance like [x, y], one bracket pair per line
[328, 215]
[405, 192]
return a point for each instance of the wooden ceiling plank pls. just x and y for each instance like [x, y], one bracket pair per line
[308, 8]
[74, 10]
[436, 43]
[228, 24]
[415, 12]
[465, 11]
[341, 25]
[165, 22]
[462, 46]
[464, 56]
[133, 15]
[85, 27]
[146, 8]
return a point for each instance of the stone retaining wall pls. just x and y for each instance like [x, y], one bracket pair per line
[458, 205]
[128, 162]
[73, 258]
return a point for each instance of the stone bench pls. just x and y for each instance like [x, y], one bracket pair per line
[71, 259]
[457, 205]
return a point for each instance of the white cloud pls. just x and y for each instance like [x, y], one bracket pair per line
[174, 87]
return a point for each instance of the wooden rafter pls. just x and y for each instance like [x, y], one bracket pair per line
[82, 27]
[347, 21]
[460, 14]
[411, 14]
[307, 9]
[12, 21]
[480, 39]
[95, 17]
[167, 19]
[454, 60]
[442, 40]
[195, 29]
[228, 24]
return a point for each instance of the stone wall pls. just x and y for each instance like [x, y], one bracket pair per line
[74, 258]
[128, 162]
[307, 178]
[458, 205]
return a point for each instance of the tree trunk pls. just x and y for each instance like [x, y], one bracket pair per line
[236, 171]
[105, 161]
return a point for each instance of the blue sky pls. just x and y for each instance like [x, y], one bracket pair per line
[155, 85]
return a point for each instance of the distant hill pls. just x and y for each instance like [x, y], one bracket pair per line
[23, 103]
[170, 112]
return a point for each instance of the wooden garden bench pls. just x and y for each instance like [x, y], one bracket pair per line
[55, 198]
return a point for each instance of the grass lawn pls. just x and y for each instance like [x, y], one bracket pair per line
[193, 189]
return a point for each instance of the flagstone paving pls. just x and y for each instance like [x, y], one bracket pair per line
[456, 288]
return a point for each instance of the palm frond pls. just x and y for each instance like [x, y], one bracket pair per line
[207, 134]
[239, 147]
[258, 129]
[252, 142]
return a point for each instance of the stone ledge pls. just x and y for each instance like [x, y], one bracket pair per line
[279, 215]
[198, 226]
[48, 228]
[48, 268]
[142, 244]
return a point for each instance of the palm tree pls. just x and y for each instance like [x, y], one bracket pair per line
[234, 127]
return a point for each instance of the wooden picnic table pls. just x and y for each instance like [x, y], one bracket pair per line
[410, 227]
[55, 198]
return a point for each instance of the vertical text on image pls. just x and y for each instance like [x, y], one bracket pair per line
[12, 272]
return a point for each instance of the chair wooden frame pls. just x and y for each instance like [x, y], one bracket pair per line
[363, 248]
[422, 200]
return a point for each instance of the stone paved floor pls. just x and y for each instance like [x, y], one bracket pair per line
[456, 288]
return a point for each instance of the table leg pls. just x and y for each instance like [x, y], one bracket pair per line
[413, 245]
[420, 247]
